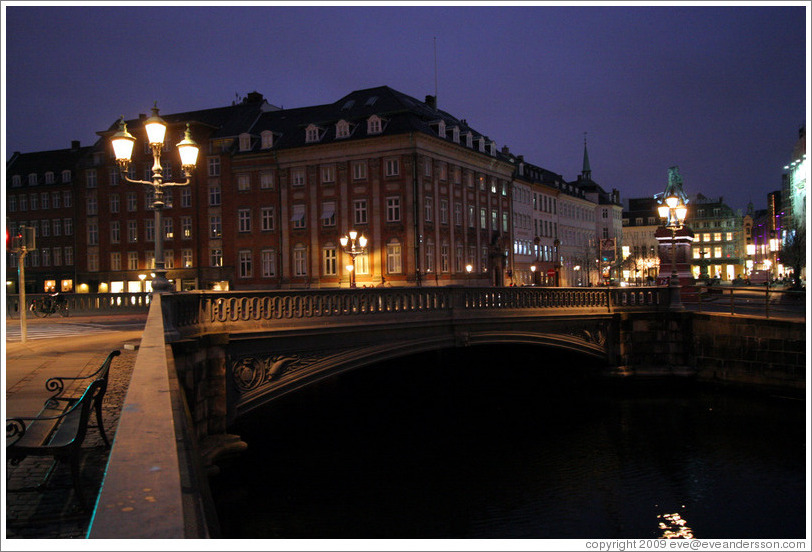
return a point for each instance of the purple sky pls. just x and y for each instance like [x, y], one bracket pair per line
[718, 91]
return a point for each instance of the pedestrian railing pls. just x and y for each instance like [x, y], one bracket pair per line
[86, 303]
[751, 301]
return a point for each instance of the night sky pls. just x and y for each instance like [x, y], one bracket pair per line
[719, 91]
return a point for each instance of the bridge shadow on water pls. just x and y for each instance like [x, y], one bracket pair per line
[496, 441]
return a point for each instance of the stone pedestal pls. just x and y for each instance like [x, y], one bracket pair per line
[682, 243]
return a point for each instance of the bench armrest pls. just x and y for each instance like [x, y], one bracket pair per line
[57, 384]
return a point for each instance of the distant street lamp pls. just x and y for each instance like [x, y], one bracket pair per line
[348, 243]
[673, 209]
[123, 143]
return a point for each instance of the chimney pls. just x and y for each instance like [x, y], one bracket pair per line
[74, 145]
[142, 117]
[431, 101]
[505, 150]
[253, 97]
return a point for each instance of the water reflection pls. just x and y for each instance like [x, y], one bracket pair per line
[674, 527]
[473, 447]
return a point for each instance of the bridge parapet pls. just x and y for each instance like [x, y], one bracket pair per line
[197, 313]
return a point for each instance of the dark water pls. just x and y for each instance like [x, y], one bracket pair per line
[497, 443]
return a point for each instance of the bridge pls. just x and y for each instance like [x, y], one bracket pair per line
[208, 358]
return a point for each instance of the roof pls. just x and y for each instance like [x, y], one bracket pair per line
[41, 162]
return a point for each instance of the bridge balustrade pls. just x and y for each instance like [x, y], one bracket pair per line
[87, 303]
[219, 309]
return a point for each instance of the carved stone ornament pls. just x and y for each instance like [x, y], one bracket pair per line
[251, 372]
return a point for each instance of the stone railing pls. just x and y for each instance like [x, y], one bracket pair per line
[224, 311]
[87, 303]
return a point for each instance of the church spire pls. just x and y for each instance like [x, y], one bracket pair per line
[586, 172]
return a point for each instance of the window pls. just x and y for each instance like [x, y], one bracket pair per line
[90, 178]
[429, 255]
[15, 181]
[717, 236]
[245, 263]
[66, 176]
[132, 231]
[115, 231]
[214, 195]
[169, 229]
[67, 224]
[56, 198]
[300, 260]
[298, 218]
[245, 142]
[243, 182]
[186, 258]
[132, 260]
[494, 220]
[267, 217]
[428, 204]
[34, 202]
[329, 261]
[149, 230]
[444, 258]
[471, 217]
[297, 177]
[393, 209]
[362, 264]
[214, 166]
[215, 257]
[268, 261]
[12, 204]
[360, 211]
[458, 214]
[328, 174]
[342, 129]
[132, 202]
[186, 196]
[393, 258]
[359, 170]
[312, 134]
[717, 252]
[426, 167]
[114, 203]
[483, 218]
[93, 262]
[68, 255]
[44, 200]
[505, 221]
[374, 125]
[458, 258]
[186, 227]
[392, 167]
[57, 256]
[92, 203]
[328, 213]
[215, 227]
[114, 176]
[267, 139]
[444, 211]
[32, 179]
[266, 180]
[244, 220]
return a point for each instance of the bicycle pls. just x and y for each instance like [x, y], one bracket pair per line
[46, 306]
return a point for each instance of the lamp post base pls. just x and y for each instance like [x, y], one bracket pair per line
[674, 290]
[160, 283]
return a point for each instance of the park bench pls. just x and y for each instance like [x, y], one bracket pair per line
[59, 429]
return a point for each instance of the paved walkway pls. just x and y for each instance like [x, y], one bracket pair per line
[54, 512]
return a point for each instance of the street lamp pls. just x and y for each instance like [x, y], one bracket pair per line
[348, 243]
[123, 143]
[673, 209]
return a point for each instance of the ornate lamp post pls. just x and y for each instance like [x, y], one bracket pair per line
[353, 245]
[123, 143]
[673, 209]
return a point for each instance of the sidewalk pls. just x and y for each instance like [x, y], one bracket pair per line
[54, 513]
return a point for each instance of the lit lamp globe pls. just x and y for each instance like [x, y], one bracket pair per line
[123, 143]
[156, 128]
[188, 150]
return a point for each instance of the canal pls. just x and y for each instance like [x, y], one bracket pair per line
[515, 442]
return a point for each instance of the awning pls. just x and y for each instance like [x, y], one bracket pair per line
[298, 213]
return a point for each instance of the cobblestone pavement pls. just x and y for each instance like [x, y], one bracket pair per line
[55, 511]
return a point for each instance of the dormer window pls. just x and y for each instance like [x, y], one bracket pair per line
[267, 139]
[374, 125]
[482, 144]
[49, 177]
[492, 148]
[440, 128]
[455, 134]
[312, 134]
[245, 141]
[32, 179]
[15, 181]
[66, 176]
[469, 140]
[342, 129]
